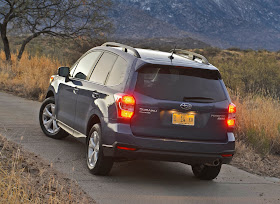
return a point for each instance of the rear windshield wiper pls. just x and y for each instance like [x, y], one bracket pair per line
[188, 99]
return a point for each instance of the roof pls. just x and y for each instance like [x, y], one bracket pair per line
[159, 57]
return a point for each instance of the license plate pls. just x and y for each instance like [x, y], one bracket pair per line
[183, 119]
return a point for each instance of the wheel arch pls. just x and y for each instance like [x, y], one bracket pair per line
[94, 119]
[50, 94]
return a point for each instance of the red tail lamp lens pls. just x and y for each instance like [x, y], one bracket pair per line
[231, 122]
[227, 155]
[129, 100]
[126, 148]
[126, 114]
[231, 108]
[231, 116]
[125, 105]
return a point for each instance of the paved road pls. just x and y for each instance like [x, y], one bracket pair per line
[131, 182]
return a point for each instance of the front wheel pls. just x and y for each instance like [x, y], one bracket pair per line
[205, 172]
[48, 121]
[97, 163]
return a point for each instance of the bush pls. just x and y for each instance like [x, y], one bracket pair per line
[252, 72]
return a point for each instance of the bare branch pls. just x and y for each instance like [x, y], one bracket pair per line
[60, 18]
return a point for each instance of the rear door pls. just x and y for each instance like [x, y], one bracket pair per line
[91, 92]
[180, 103]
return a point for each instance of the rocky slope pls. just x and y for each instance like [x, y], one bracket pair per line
[223, 23]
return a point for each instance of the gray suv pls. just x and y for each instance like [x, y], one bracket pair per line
[142, 104]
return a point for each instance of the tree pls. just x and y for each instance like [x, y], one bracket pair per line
[61, 18]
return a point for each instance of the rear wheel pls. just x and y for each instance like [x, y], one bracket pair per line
[48, 121]
[97, 163]
[205, 172]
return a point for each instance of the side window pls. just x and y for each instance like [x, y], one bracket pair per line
[85, 65]
[118, 72]
[103, 68]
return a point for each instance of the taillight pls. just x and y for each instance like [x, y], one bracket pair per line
[125, 105]
[231, 108]
[231, 116]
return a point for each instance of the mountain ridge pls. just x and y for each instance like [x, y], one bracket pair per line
[222, 23]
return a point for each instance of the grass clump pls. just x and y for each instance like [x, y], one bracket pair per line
[28, 77]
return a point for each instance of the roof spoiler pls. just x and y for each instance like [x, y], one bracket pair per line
[124, 48]
[190, 55]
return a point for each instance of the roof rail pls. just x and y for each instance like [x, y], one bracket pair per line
[124, 47]
[190, 55]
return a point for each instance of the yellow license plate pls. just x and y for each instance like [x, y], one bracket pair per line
[183, 119]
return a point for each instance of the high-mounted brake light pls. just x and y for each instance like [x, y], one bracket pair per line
[125, 105]
[231, 116]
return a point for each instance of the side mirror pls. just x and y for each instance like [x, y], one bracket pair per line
[64, 72]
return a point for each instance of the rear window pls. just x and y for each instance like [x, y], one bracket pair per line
[180, 84]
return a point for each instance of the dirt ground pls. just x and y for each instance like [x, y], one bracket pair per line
[32, 175]
[264, 165]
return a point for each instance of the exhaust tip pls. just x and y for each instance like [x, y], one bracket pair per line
[216, 162]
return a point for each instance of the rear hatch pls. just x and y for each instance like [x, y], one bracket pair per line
[180, 103]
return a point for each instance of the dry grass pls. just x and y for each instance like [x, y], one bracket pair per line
[28, 77]
[25, 178]
[258, 122]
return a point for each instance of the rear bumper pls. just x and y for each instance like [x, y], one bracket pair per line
[147, 154]
[186, 151]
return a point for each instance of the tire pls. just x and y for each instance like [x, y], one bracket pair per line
[47, 119]
[97, 163]
[205, 172]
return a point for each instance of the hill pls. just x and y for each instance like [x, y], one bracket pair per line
[222, 23]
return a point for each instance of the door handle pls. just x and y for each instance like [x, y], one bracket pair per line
[95, 95]
[75, 90]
